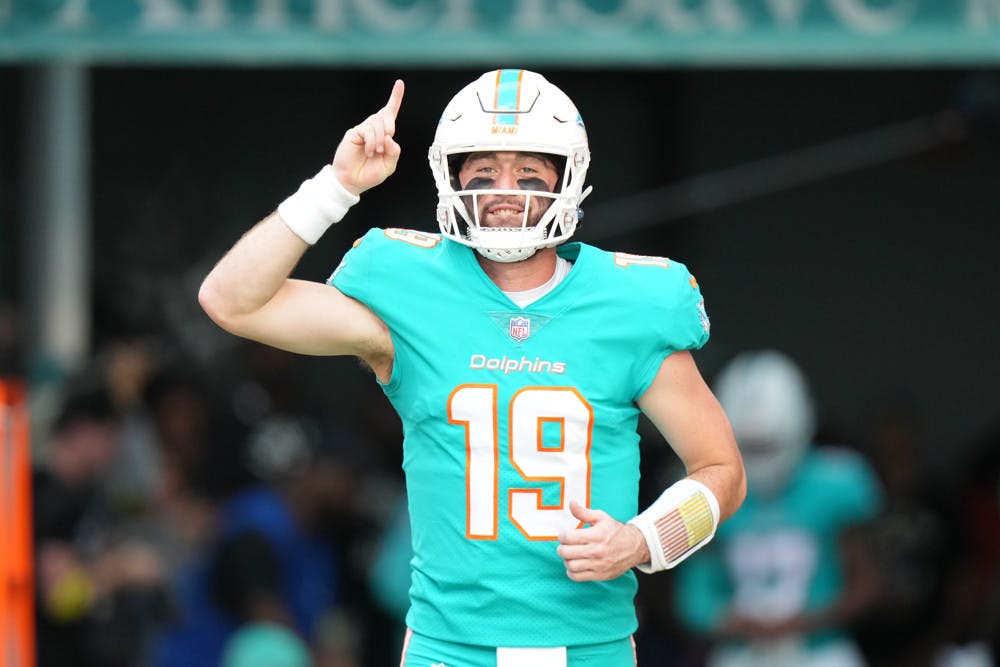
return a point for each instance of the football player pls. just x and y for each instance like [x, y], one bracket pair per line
[789, 574]
[518, 363]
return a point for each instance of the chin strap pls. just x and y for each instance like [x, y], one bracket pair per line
[507, 256]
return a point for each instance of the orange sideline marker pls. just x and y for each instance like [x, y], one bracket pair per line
[17, 615]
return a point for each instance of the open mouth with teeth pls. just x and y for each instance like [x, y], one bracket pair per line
[506, 214]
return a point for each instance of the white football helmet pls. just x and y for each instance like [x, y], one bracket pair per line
[510, 110]
[767, 399]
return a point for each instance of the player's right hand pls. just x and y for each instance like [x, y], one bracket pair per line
[604, 550]
[368, 154]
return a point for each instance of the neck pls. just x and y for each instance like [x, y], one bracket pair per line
[523, 275]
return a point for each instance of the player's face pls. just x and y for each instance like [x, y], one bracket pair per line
[509, 170]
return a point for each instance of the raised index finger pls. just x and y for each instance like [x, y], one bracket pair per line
[395, 97]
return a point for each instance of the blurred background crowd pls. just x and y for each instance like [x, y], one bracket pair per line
[201, 500]
[188, 516]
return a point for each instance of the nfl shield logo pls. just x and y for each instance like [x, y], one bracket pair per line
[520, 328]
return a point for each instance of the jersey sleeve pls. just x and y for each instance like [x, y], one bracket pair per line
[353, 275]
[686, 325]
[675, 306]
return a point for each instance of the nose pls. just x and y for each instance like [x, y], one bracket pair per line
[506, 180]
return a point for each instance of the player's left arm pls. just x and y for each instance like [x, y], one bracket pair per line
[686, 412]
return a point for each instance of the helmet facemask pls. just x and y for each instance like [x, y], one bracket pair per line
[488, 117]
[556, 213]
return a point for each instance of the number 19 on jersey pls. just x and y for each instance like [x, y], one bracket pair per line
[550, 431]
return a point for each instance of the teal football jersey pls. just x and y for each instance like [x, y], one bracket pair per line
[507, 414]
[778, 557]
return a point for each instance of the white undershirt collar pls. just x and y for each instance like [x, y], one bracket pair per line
[527, 297]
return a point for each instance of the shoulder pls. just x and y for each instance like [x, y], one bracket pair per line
[397, 240]
[838, 463]
[640, 270]
[843, 472]
[385, 252]
[658, 290]
[650, 280]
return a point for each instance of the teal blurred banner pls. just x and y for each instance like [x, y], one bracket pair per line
[495, 32]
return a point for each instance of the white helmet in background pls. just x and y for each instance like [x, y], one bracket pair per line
[767, 399]
[510, 110]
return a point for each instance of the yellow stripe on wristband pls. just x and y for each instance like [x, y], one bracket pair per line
[684, 527]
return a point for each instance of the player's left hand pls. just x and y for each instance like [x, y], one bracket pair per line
[605, 549]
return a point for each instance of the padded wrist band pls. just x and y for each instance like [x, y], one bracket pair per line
[318, 203]
[681, 521]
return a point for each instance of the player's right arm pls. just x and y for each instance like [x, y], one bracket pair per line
[249, 293]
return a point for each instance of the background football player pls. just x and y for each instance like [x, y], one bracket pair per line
[788, 574]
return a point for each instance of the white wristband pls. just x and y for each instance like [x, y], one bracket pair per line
[318, 203]
[681, 521]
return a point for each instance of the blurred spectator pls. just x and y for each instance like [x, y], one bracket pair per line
[389, 576]
[272, 561]
[379, 536]
[266, 645]
[273, 384]
[88, 585]
[134, 477]
[366, 441]
[971, 635]
[180, 409]
[787, 573]
[912, 541]
[174, 513]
